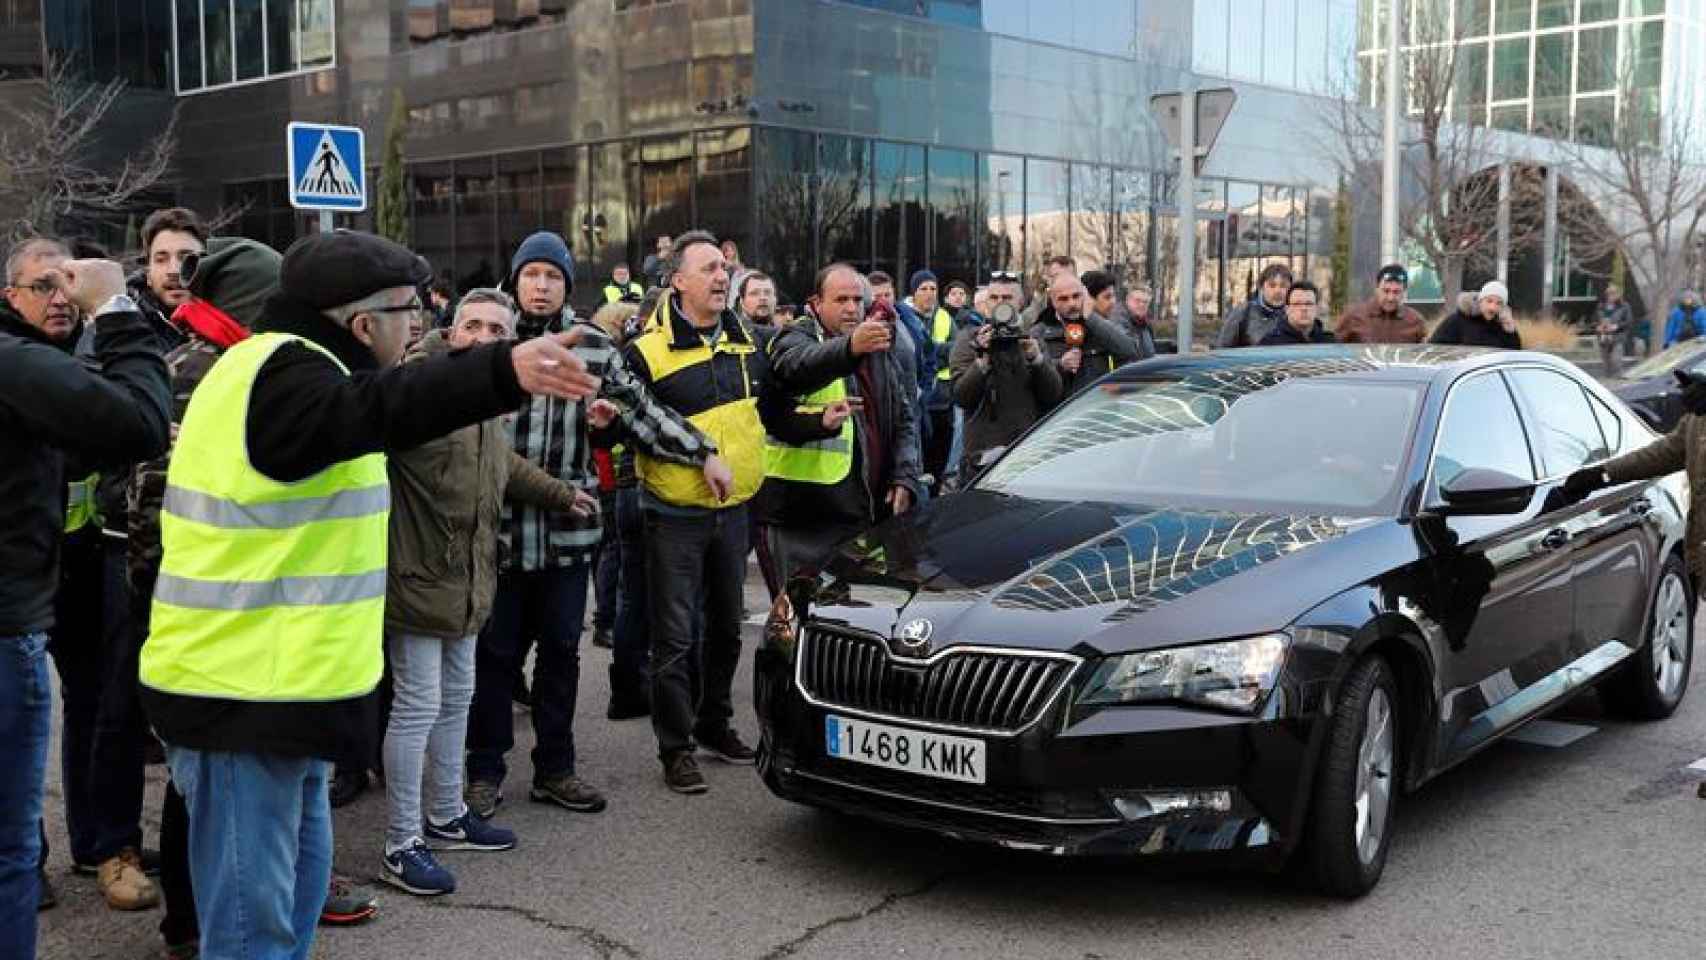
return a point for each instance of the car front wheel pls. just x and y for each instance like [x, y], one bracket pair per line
[1651, 686]
[1356, 794]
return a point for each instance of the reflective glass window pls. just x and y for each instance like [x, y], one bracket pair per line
[1562, 424]
[1646, 49]
[1092, 217]
[1132, 213]
[316, 20]
[1047, 216]
[1472, 18]
[1279, 42]
[723, 187]
[1243, 246]
[1481, 430]
[433, 224]
[1211, 23]
[899, 195]
[1513, 16]
[1593, 11]
[563, 192]
[1470, 89]
[281, 36]
[614, 204]
[785, 195]
[1003, 194]
[1596, 60]
[665, 168]
[955, 217]
[216, 32]
[478, 262]
[1510, 69]
[1596, 120]
[1554, 13]
[515, 195]
[189, 44]
[844, 197]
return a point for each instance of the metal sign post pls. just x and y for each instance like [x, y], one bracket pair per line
[1192, 117]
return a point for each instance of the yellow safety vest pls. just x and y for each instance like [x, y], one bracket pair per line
[732, 423]
[942, 331]
[80, 503]
[613, 292]
[268, 591]
[824, 461]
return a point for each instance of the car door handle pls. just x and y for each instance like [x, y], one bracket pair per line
[1555, 539]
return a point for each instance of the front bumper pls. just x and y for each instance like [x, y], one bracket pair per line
[1052, 786]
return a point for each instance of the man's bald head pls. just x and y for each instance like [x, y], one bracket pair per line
[1066, 294]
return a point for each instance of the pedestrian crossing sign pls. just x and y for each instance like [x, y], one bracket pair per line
[327, 167]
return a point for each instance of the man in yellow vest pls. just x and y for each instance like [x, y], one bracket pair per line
[832, 489]
[269, 607]
[701, 360]
[622, 286]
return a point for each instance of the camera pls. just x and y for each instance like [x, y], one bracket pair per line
[1004, 332]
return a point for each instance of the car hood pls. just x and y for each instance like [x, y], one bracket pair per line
[1649, 388]
[998, 570]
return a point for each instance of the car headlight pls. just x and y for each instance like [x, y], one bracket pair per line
[1233, 675]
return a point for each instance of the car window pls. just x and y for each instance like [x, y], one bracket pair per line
[1481, 429]
[1566, 433]
[1610, 424]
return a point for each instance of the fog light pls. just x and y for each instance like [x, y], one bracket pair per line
[1139, 806]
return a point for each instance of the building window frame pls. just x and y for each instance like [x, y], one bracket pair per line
[266, 49]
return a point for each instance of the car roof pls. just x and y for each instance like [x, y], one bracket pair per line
[1405, 363]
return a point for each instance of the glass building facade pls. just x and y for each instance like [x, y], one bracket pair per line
[962, 135]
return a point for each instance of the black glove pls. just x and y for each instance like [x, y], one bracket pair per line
[1694, 396]
[1583, 482]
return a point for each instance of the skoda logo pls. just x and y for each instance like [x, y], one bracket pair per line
[913, 637]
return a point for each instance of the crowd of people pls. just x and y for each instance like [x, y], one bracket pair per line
[295, 518]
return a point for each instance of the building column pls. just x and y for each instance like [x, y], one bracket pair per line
[1503, 267]
[1549, 242]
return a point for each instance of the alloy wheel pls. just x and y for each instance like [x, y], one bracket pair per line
[1374, 775]
[1669, 644]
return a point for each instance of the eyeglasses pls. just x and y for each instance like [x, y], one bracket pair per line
[1003, 276]
[415, 307]
[45, 287]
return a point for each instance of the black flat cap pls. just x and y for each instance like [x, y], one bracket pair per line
[327, 270]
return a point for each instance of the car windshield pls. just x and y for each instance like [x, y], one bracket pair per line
[1239, 439]
[1664, 362]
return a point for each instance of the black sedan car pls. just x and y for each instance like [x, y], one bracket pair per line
[1233, 604]
[1650, 387]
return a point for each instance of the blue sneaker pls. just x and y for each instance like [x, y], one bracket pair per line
[414, 869]
[469, 832]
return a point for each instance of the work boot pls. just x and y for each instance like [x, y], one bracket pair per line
[681, 773]
[124, 884]
[726, 746]
[569, 792]
[483, 798]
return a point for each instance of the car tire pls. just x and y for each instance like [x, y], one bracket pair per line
[1655, 680]
[1356, 789]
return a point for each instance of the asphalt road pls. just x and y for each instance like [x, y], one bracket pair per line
[1593, 849]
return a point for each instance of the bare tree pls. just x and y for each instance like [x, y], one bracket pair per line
[1642, 192]
[49, 143]
[1449, 208]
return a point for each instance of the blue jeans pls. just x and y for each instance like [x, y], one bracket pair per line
[260, 850]
[958, 449]
[544, 607]
[433, 681]
[26, 716]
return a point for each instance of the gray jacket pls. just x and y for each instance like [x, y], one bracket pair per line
[1248, 323]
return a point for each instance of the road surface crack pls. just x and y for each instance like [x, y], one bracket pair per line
[607, 946]
[888, 901]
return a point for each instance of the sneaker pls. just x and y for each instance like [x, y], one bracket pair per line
[681, 773]
[726, 746]
[413, 869]
[482, 797]
[124, 884]
[568, 791]
[347, 785]
[347, 905]
[468, 832]
[46, 896]
[604, 637]
[150, 864]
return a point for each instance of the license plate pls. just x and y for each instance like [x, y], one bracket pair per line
[897, 748]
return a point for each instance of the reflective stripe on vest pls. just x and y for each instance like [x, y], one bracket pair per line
[614, 292]
[943, 332]
[825, 461]
[80, 502]
[268, 591]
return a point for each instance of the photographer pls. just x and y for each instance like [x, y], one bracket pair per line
[1003, 379]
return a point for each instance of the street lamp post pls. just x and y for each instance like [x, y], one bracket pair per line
[1389, 153]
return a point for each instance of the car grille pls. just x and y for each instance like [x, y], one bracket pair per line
[977, 689]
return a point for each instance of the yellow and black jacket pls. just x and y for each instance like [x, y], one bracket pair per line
[724, 387]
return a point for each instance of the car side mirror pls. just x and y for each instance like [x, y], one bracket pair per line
[1481, 492]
